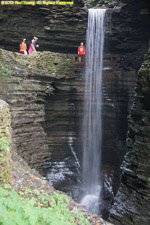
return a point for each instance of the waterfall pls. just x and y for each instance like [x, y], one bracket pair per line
[92, 125]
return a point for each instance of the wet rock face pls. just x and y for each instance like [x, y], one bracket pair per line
[62, 28]
[27, 83]
[45, 94]
[5, 143]
[101, 3]
[22, 93]
[59, 28]
[118, 92]
[131, 205]
[130, 33]
[63, 124]
[63, 117]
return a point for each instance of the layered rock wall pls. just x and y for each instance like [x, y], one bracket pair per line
[118, 94]
[59, 28]
[63, 117]
[129, 33]
[29, 84]
[25, 95]
[131, 205]
[5, 143]
[62, 28]
[45, 93]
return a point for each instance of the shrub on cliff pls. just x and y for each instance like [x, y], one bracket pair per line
[4, 71]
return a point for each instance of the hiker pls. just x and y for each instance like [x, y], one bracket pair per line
[81, 49]
[31, 48]
[23, 47]
[35, 40]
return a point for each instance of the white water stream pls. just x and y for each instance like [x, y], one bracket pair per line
[92, 124]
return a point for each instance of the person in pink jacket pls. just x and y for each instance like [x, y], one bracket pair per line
[32, 48]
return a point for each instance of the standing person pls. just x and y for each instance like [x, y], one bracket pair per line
[81, 49]
[35, 40]
[31, 48]
[23, 47]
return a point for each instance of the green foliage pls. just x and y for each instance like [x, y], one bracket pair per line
[66, 62]
[5, 71]
[36, 209]
[66, 66]
[7, 186]
[4, 145]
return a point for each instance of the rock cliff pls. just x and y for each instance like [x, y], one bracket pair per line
[45, 94]
[46, 87]
[5, 143]
[26, 83]
[131, 204]
[59, 28]
[62, 28]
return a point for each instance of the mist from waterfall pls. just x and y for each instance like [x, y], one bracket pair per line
[92, 124]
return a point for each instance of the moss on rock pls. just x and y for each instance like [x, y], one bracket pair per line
[5, 143]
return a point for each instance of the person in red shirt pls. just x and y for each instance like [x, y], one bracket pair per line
[81, 49]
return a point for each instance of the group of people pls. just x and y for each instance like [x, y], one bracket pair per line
[33, 46]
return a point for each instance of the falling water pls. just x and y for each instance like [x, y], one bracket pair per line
[92, 125]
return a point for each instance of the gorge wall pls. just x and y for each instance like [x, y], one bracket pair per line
[5, 143]
[62, 28]
[45, 90]
[131, 204]
[45, 94]
[59, 28]
[26, 82]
